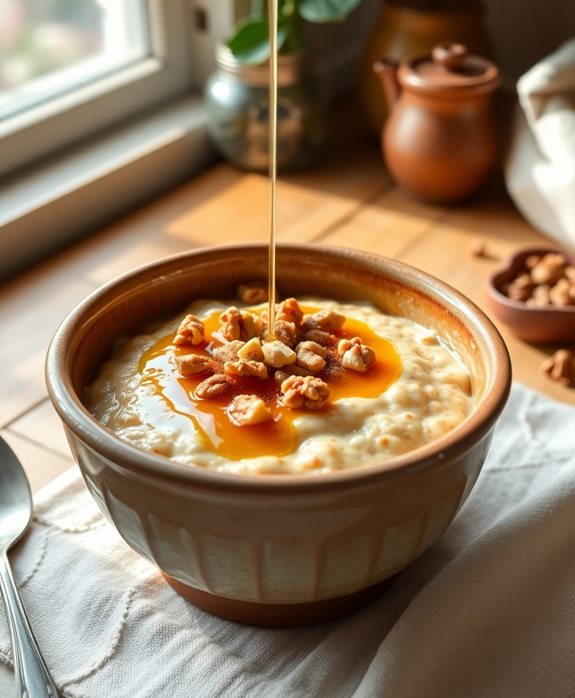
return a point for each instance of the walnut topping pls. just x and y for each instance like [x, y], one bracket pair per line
[327, 320]
[290, 311]
[252, 293]
[319, 337]
[246, 367]
[277, 354]
[241, 324]
[191, 364]
[229, 351]
[311, 356]
[286, 332]
[246, 410]
[190, 331]
[355, 355]
[213, 387]
[304, 391]
[560, 366]
[251, 351]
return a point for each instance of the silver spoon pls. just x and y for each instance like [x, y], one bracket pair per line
[33, 679]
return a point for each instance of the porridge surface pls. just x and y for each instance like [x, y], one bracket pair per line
[430, 397]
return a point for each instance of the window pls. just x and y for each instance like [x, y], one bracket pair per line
[100, 100]
[69, 68]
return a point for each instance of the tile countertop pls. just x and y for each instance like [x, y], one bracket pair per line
[346, 199]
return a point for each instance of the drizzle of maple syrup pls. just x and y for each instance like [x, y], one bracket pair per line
[209, 418]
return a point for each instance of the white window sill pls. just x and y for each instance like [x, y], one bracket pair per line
[48, 205]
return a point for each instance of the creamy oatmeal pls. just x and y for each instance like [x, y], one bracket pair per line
[332, 395]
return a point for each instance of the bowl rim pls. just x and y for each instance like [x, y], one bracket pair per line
[123, 455]
[498, 296]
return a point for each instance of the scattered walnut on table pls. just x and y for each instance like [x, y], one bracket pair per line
[213, 387]
[192, 364]
[560, 367]
[190, 331]
[478, 248]
[304, 391]
[247, 410]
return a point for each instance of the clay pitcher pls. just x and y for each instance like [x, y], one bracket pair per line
[440, 141]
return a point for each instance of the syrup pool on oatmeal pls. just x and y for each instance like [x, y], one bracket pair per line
[339, 385]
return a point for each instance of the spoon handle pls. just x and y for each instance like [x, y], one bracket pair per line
[33, 679]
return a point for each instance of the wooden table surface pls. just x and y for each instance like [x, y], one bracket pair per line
[345, 199]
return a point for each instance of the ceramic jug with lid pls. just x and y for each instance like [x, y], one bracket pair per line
[440, 141]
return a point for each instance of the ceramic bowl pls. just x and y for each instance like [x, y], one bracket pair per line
[549, 324]
[277, 550]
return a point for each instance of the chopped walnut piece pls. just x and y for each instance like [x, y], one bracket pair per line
[561, 294]
[560, 366]
[190, 331]
[191, 364]
[247, 410]
[229, 351]
[304, 391]
[549, 269]
[243, 367]
[532, 260]
[520, 289]
[215, 386]
[290, 311]
[240, 324]
[282, 373]
[327, 320]
[286, 332]
[311, 356]
[540, 297]
[319, 337]
[252, 293]
[355, 355]
[277, 354]
[570, 274]
[252, 350]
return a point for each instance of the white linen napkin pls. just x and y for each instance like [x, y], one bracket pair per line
[488, 611]
[540, 166]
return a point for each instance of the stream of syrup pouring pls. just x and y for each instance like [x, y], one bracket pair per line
[209, 417]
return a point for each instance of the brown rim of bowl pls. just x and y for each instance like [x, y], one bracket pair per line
[81, 422]
[493, 281]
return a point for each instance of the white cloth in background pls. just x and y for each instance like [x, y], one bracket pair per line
[540, 167]
[489, 611]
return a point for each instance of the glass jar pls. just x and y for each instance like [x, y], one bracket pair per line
[238, 105]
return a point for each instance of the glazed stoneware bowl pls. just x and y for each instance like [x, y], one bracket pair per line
[277, 549]
[549, 324]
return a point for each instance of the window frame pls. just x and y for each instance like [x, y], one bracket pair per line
[181, 57]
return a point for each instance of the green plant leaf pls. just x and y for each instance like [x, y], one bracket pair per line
[249, 42]
[326, 10]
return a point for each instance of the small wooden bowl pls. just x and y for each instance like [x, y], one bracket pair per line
[549, 324]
